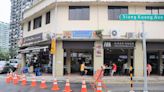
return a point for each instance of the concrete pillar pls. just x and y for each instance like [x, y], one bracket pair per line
[129, 58]
[98, 55]
[23, 60]
[138, 59]
[68, 61]
[58, 61]
[54, 65]
[160, 63]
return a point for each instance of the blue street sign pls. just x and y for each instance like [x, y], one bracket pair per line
[142, 17]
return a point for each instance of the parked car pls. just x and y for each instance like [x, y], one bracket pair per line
[14, 62]
[6, 67]
[2, 64]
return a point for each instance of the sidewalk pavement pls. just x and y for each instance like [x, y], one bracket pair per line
[106, 79]
[90, 79]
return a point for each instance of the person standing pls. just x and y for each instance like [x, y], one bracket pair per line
[125, 68]
[31, 67]
[114, 69]
[149, 69]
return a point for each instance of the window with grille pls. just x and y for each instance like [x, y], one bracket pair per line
[79, 13]
[37, 22]
[115, 11]
[48, 17]
[155, 9]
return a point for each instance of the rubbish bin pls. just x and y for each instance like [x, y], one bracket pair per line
[38, 72]
[25, 69]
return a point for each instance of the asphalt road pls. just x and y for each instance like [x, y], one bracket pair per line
[76, 87]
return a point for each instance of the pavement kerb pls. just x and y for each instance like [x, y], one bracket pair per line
[106, 81]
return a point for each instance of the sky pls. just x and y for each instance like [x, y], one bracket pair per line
[5, 7]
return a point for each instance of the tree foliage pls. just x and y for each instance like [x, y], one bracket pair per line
[99, 33]
[4, 55]
[12, 52]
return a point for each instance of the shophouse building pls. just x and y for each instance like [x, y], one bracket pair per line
[90, 31]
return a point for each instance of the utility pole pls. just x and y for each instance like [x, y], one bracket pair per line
[143, 17]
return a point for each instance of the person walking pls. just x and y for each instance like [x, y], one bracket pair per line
[114, 69]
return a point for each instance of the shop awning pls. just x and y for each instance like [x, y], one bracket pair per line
[155, 45]
[78, 44]
[33, 49]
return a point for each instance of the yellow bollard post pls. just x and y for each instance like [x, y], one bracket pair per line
[131, 79]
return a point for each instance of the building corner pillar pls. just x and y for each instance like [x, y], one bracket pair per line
[68, 61]
[129, 58]
[98, 55]
[160, 63]
[138, 60]
[58, 60]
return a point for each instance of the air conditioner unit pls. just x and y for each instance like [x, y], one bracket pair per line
[131, 35]
[115, 34]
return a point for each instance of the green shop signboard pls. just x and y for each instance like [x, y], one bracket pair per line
[142, 17]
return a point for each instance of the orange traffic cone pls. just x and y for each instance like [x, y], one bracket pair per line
[55, 86]
[18, 77]
[15, 80]
[83, 89]
[33, 83]
[43, 84]
[8, 78]
[99, 86]
[67, 86]
[24, 82]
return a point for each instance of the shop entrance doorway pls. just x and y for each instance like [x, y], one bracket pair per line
[153, 60]
[72, 62]
[76, 52]
[123, 58]
[39, 62]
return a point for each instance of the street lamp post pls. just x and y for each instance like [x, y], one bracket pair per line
[54, 55]
[145, 58]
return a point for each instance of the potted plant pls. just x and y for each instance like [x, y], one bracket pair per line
[99, 33]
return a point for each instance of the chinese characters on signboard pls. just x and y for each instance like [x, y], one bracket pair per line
[119, 44]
